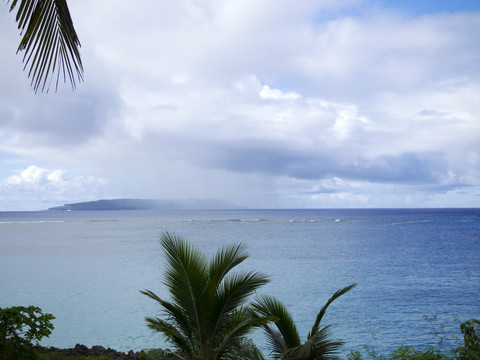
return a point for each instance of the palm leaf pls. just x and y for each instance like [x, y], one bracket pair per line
[217, 306]
[322, 311]
[246, 350]
[237, 288]
[186, 276]
[172, 333]
[240, 323]
[232, 294]
[270, 306]
[175, 314]
[317, 346]
[225, 260]
[284, 341]
[206, 318]
[50, 42]
[275, 341]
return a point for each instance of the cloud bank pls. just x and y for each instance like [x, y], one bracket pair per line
[266, 104]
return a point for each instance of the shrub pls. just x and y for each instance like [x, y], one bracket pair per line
[19, 327]
[471, 348]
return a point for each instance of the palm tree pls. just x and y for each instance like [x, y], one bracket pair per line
[49, 41]
[208, 316]
[285, 342]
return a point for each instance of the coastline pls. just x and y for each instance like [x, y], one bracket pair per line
[96, 350]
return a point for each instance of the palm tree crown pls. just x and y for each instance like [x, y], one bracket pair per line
[284, 340]
[208, 315]
[49, 40]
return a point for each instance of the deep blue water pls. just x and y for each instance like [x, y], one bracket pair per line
[86, 268]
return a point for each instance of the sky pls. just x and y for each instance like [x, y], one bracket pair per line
[267, 104]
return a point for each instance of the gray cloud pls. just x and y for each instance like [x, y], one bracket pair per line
[277, 160]
[62, 119]
[407, 168]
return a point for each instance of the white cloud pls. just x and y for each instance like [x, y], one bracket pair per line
[275, 94]
[30, 176]
[35, 188]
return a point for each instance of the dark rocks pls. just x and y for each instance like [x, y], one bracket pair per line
[97, 350]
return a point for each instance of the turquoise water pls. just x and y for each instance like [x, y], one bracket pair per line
[86, 268]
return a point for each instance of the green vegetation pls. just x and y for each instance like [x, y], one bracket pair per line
[20, 326]
[209, 315]
[49, 40]
[469, 350]
[58, 356]
[471, 337]
[402, 353]
[285, 340]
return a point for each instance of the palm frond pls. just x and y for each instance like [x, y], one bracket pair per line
[165, 355]
[304, 351]
[245, 350]
[216, 306]
[317, 347]
[236, 289]
[324, 347]
[270, 306]
[275, 342]
[175, 315]
[241, 322]
[225, 260]
[322, 311]
[174, 336]
[186, 276]
[206, 309]
[49, 40]
[284, 341]
[231, 295]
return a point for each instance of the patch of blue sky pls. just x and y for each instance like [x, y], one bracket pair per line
[357, 9]
[424, 7]
[10, 165]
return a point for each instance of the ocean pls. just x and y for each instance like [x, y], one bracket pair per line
[87, 267]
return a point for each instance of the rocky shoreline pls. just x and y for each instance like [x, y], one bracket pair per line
[97, 350]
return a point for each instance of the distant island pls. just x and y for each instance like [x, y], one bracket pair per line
[149, 204]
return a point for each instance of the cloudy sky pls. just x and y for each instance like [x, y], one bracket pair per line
[268, 104]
